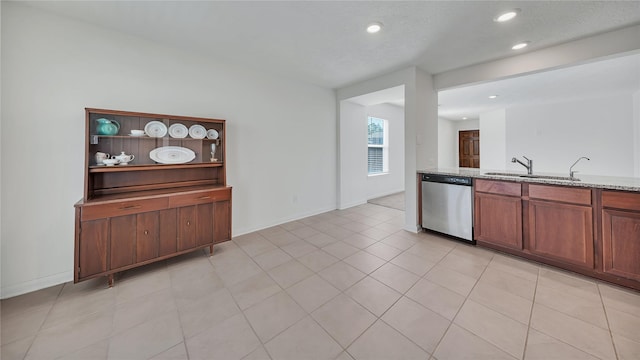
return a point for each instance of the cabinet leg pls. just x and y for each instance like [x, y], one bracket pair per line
[110, 279]
[210, 250]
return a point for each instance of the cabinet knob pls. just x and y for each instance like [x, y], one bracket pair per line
[146, 232]
[188, 223]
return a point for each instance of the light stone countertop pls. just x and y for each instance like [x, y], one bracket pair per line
[589, 181]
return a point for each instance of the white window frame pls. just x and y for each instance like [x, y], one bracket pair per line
[384, 146]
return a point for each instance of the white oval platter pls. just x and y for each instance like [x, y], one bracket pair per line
[172, 155]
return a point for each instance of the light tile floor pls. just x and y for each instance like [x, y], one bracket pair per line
[394, 201]
[345, 284]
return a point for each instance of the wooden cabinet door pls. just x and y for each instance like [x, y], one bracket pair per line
[147, 236]
[621, 243]
[186, 228]
[168, 237]
[562, 232]
[222, 221]
[92, 248]
[204, 223]
[498, 220]
[122, 231]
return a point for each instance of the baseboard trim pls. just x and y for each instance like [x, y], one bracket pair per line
[352, 204]
[371, 197]
[36, 284]
[239, 232]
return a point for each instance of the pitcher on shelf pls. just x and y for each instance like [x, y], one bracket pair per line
[107, 127]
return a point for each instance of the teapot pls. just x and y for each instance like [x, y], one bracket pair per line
[123, 158]
[107, 127]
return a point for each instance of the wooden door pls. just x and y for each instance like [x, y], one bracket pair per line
[562, 232]
[469, 148]
[186, 228]
[92, 248]
[222, 221]
[621, 243]
[498, 220]
[147, 236]
[122, 230]
[204, 223]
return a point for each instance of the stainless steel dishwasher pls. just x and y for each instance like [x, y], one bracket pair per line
[447, 205]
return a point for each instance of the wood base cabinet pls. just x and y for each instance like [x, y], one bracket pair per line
[498, 213]
[561, 224]
[170, 198]
[621, 234]
[116, 242]
[593, 232]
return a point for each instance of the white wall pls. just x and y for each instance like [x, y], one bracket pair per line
[393, 181]
[636, 132]
[281, 137]
[555, 135]
[447, 144]
[493, 148]
[353, 155]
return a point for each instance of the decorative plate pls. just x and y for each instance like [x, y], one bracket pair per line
[212, 134]
[172, 155]
[178, 131]
[155, 129]
[197, 131]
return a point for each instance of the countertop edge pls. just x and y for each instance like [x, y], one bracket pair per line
[586, 181]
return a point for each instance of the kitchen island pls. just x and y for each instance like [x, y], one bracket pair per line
[590, 226]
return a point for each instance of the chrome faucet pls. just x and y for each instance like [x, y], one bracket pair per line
[528, 165]
[571, 172]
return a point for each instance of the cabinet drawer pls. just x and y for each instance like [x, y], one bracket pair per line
[104, 210]
[560, 193]
[498, 187]
[621, 200]
[200, 197]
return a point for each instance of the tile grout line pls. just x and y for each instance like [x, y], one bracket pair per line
[571, 316]
[533, 303]
[421, 278]
[604, 308]
[35, 336]
[462, 305]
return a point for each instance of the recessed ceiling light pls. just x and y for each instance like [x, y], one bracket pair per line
[464, 118]
[374, 27]
[493, 96]
[506, 16]
[521, 45]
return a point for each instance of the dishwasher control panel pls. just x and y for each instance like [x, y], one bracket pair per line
[448, 179]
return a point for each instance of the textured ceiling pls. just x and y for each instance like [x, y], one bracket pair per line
[602, 78]
[324, 42]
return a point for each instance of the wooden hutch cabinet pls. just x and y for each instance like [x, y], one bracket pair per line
[172, 198]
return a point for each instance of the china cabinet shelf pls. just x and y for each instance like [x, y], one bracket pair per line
[124, 168]
[146, 138]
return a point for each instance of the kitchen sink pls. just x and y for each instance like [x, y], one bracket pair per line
[532, 176]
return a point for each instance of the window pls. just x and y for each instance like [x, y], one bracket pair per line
[378, 139]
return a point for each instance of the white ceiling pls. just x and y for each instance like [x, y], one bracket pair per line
[324, 42]
[592, 80]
